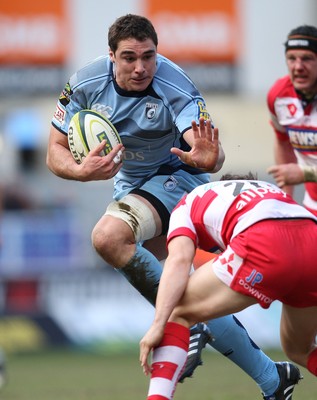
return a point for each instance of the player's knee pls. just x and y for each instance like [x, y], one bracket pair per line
[100, 240]
[105, 245]
[113, 240]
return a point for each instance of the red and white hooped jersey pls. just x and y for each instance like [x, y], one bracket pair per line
[292, 120]
[295, 121]
[214, 213]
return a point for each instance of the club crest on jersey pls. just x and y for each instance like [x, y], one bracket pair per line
[288, 110]
[170, 184]
[150, 110]
[292, 109]
[102, 109]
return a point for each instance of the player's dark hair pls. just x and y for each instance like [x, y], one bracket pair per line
[303, 37]
[304, 30]
[131, 26]
[238, 177]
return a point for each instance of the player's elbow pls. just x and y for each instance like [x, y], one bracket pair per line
[49, 163]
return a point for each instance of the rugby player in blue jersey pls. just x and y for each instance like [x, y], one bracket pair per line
[169, 147]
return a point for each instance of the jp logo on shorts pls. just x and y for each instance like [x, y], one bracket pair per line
[248, 285]
[170, 184]
[254, 278]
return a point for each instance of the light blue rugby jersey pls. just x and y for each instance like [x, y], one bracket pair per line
[149, 122]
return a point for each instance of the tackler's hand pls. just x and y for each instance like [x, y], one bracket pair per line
[150, 340]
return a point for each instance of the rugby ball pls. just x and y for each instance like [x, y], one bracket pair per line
[87, 129]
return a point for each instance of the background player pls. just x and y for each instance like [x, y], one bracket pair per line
[257, 226]
[292, 102]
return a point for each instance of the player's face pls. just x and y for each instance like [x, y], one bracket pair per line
[134, 64]
[302, 67]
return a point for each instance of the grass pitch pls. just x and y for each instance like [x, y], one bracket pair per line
[79, 375]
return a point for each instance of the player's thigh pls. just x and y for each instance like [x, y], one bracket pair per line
[207, 297]
[298, 328]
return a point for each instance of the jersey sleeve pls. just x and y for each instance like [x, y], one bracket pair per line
[69, 103]
[180, 95]
[193, 111]
[280, 131]
[180, 223]
[77, 92]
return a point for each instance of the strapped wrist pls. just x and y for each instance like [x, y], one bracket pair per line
[310, 173]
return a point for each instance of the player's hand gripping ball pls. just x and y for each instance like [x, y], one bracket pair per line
[87, 129]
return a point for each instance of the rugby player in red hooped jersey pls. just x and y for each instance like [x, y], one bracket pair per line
[292, 102]
[243, 218]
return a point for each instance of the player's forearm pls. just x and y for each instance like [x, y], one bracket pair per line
[60, 161]
[283, 152]
[172, 286]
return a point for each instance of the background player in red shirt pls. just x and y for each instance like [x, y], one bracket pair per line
[292, 102]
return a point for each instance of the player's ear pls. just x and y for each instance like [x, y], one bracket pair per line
[111, 55]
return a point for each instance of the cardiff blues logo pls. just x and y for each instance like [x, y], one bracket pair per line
[150, 110]
[170, 184]
[102, 109]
